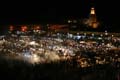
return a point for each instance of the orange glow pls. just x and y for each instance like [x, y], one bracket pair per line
[11, 28]
[94, 25]
[24, 28]
[37, 28]
[57, 27]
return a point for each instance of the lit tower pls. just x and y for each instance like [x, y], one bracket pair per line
[92, 21]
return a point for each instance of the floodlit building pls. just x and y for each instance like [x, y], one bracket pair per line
[92, 20]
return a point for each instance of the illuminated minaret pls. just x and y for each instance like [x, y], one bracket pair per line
[92, 21]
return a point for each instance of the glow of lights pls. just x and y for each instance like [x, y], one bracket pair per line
[11, 28]
[101, 35]
[32, 43]
[69, 21]
[92, 34]
[35, 58]
[112, 35]
[92, 11]
[31, 58]
[106, 33]
[95, 25]
[24, 28]
[36, 27]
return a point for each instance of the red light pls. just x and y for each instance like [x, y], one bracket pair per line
[24, 28]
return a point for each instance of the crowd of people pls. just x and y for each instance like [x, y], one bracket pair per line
[59, 55]
[88, 50]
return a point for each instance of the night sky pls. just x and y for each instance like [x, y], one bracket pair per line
[107, 11]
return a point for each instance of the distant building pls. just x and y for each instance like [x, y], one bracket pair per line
[92, 20]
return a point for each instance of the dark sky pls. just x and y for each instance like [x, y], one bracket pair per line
[107, 11]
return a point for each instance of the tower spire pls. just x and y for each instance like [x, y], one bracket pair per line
[92, 12]
[92, 20]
